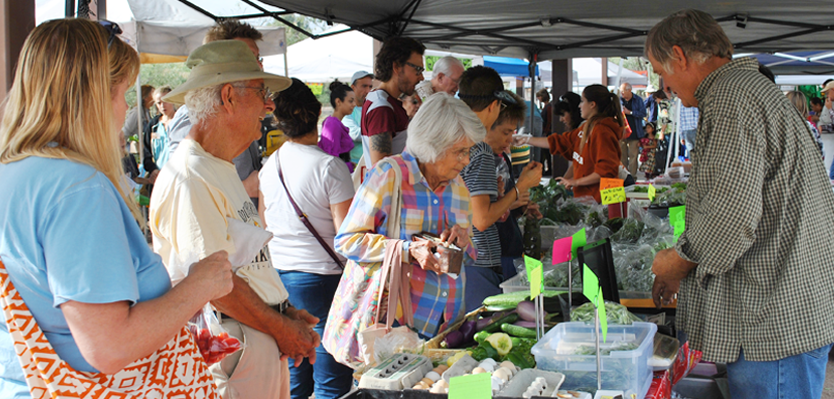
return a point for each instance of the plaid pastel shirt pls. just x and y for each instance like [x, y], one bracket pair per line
[437, 300]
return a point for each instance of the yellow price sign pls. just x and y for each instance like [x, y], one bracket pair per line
[652, 192]
[614, 195]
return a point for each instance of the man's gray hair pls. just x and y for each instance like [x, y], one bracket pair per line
[444, 65]
[441, 122]
[695, 32]
[202, 103]
[626, 85]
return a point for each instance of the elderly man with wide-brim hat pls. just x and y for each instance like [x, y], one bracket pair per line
[198, 197]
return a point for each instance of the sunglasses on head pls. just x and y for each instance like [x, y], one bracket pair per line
[503, 96]
[112, 28]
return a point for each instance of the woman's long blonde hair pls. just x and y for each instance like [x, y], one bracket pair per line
[62, 93]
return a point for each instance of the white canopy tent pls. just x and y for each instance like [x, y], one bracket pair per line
[172, 28]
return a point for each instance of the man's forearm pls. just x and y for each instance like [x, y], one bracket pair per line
[245, 306]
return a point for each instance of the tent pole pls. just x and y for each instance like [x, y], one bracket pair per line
[534, 58]
[286, 67]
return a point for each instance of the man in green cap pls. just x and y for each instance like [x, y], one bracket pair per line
[199, 204]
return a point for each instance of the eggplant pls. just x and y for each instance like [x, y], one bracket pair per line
[468, 330]
[454, 339]
[527, 310]
[481, 324]
[525, 324]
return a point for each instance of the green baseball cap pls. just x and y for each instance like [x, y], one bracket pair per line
[223, 61]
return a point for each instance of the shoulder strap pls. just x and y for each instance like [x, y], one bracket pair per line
[303, 217]
[396, 198]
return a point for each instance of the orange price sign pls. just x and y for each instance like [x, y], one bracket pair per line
[606, 183]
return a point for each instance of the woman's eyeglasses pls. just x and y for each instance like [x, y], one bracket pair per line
[112, 28]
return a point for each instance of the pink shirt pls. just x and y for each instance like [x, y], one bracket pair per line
[335, 137]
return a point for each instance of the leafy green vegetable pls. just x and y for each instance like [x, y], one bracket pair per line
[616, 314]
[591, 350]
[630, 233]
[484, 350]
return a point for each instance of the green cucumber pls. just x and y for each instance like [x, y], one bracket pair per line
[481, 336]
[518, 331]
[496, 326]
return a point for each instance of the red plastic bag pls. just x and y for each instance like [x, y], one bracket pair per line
[661, 387]
[214, 341]
[686, 361]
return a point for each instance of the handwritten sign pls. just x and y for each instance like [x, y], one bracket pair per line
[562, 250]
[606, 183]
[614, 195]
[535, 275]
[473, 386]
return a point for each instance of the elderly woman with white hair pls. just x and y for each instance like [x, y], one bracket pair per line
[434, 200]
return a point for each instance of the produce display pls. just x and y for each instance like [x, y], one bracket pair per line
[634, 241]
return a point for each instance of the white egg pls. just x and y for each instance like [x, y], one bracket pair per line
[437, 389]
[433, 376]
[490, 360]
[442, 383]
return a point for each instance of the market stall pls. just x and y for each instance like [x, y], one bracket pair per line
[549, 339]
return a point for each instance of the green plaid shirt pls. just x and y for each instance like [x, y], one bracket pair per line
[759, 224]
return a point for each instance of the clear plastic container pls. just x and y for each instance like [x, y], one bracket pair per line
[626, 370]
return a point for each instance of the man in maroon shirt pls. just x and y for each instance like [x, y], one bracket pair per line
[399, 66]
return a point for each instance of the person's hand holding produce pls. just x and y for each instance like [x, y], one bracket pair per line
[213, 275]
[568, 183]
[531, 176]
[521, 139]
[533, 211]
[523, 200]
[422, 252]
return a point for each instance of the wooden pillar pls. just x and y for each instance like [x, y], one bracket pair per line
[17, 19]
[604, 78]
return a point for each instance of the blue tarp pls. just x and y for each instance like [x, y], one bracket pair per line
[509, 66]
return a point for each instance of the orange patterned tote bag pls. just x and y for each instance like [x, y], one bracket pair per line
[177, 370]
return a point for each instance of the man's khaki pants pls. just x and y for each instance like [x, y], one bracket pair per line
[630, 152]
[254, 372]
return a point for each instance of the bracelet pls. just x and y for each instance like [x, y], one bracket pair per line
[517, 194]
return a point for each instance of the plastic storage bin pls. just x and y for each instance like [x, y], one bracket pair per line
[626, 370]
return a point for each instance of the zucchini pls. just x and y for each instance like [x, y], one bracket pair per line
[496, 326]
[508, 300]
[518, 331]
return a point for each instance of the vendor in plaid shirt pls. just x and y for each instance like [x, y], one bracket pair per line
[754, 265]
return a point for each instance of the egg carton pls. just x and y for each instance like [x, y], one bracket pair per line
[400, 371]
[463, 366]
[516, 387]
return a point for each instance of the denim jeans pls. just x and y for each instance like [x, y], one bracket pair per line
[330, 379]
[689, 137]
[800, 376]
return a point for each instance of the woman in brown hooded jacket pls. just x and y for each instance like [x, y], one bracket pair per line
[594, 146]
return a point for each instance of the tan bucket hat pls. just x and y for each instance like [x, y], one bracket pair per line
[223, 61]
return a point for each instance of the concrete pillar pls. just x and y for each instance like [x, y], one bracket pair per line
[17, 19]
[562, 78]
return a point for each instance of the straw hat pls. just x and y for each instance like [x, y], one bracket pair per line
[223, 61]
[828, 87]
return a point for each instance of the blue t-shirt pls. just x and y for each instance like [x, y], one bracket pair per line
[67, 235]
